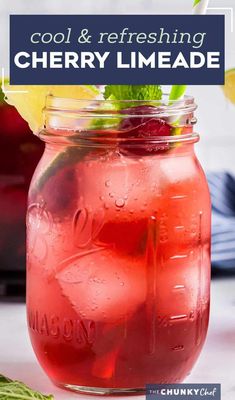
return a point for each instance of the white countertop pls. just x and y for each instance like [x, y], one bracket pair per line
[216, 363]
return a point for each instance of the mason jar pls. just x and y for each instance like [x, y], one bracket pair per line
[118, 240]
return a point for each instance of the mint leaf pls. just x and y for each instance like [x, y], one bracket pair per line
[196, 2]
[177, 91]
[4, 379]
[10, 390]
[133, 92]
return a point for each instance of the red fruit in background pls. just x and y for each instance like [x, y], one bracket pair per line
[144, 126]
[12, 204]
[13, 200]
[20, 152]
[13, 126]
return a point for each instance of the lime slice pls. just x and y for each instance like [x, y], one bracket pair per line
[68, 156]
[229, 86]
[31, 103]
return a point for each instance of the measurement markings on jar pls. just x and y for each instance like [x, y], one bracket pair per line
[179, 256]
[179, 227]
[179, 197]
[199, 294]
[178, 317]
[151, 257]
[179, 288]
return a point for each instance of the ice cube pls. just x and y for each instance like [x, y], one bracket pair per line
[102, 286]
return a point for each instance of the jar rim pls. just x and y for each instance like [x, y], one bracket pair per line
[122, 108]
[109, 121]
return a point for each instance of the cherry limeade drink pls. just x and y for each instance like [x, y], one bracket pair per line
[118, 257]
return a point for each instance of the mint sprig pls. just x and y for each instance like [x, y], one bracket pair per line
[123, 96]
[141, 92]
[10, 390]
[133, 92]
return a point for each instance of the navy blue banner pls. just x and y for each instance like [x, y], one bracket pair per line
[117, 49]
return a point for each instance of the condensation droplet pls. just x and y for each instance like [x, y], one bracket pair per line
[120, 203]
[191, 315]
[111, 194]
[179, 287]
[180, 347]
[107, 183]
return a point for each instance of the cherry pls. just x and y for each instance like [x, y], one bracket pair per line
[145, 127]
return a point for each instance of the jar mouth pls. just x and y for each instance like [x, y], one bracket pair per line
[110, 121]
[121, 108]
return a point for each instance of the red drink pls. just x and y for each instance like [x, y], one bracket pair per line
[118, 258]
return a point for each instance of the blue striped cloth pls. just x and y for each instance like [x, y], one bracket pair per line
[222, 189]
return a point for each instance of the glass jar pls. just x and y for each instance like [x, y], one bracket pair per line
[118, 265]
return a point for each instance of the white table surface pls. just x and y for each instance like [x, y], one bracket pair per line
[216, 363]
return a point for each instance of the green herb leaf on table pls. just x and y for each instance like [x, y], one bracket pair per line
[4, 379]
[10, 390]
